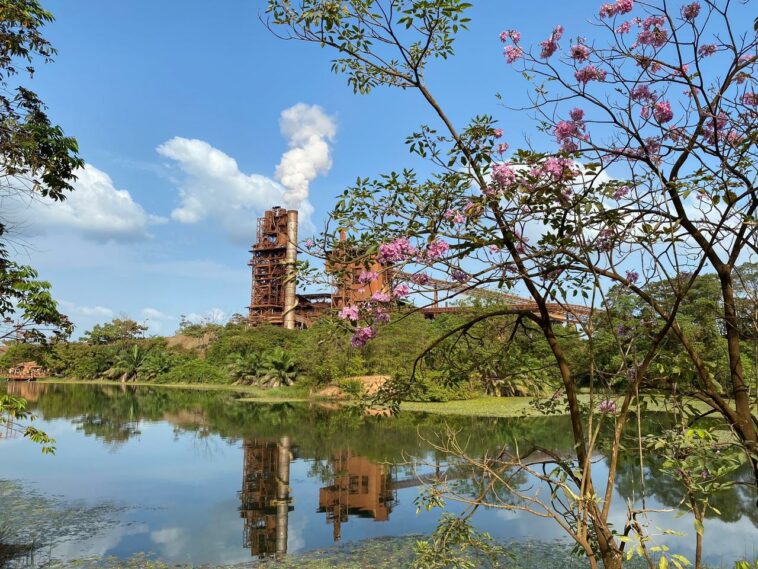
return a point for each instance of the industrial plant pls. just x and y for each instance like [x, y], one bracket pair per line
[274, 298]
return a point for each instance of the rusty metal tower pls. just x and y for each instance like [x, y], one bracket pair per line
[274, 254]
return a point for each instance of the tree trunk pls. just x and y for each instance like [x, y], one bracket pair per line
[740, 391]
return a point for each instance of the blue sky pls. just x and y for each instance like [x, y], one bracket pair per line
[131, 77]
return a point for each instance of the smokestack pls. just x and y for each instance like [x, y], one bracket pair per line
[290, 260]
[282, 495]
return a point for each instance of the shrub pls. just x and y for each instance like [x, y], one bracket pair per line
[195, 371]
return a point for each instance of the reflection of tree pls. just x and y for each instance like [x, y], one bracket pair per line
[265, 496]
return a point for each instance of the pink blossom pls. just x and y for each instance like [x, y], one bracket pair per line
[398, 250]
[365, 277]
[502, 148]
[691, 11]
[380, 296]
[494, 248]
[632, 277]
[401, 291]
[420, 279]
[624, 28]
[560, 168]
[750, 99]
[620, 7]
[706, 50]
[653, 32]
[503, 175]
[642, 93]
[381, 316]
[607, 407]
[362, 336]
[349, 313]
[512, 34]
[662, 112]
[309, 243]
[590, 73]
[747, 58]
[567, 131]
[459, 275]
[498, 132]
[580, 52]
[604, 237]
[512, 53]
[550, 45]
[436, 249]
[620, 193]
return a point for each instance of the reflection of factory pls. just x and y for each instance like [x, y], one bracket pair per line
[265, 496]
[360, 487]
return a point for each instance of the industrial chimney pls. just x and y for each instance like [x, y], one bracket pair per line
[290, 298]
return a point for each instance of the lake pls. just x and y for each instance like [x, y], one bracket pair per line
[203, 478]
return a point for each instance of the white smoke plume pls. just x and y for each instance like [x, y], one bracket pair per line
[309, 131]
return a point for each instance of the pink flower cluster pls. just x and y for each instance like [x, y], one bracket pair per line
[459, 275]
[559, 169]
[513, 52]
[653, 32]
[580, 52]
[436, 249]
[398, 250]
[619, 7]
[380, 296]
[662, 112]
[550, 45]
[503, 176]
[620, 193]
[349, 313]
[455, 216]
[362, 336]
[642, 94]
[750, 99]
[309, 243]
[401, 291]
[624, 28]
[707, 50]
[632, 277]
[510, 34]
[567, 132]
[590, 73]
[607, 407]
[691, 11]
[420, 279]
[366, 277]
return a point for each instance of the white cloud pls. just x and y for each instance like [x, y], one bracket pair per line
[214, 188]
[72, 309]
[214, 316]
[155, 314]
[95, 208]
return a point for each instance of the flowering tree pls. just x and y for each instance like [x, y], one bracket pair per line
[650, 178]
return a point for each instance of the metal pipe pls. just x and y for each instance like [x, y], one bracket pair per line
[290, 298]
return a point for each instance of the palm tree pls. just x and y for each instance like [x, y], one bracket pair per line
[280, 368]
[246, 368]
[130, 362]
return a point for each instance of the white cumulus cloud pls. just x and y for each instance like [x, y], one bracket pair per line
[214, 188]
[72, 309]
[96, 209]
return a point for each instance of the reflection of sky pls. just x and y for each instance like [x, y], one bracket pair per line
[181, 494]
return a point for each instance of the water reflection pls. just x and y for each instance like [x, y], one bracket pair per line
[359, 487]
[265, 496]
[309, 476]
